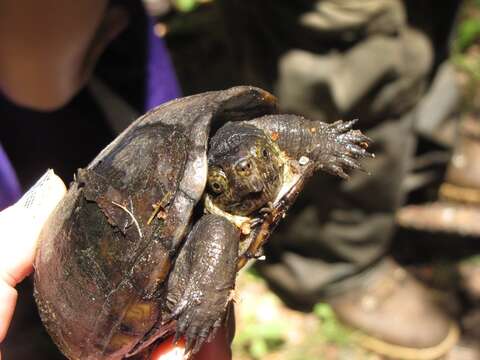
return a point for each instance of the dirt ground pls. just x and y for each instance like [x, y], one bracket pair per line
[268, 330]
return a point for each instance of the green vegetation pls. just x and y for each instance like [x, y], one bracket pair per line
[466, 52]
[468, 34]
[331, 329]
[260, 339]
[472, 260]
[468, 29]
[188, 5]
[185, 5]
[268, 330]
[262, 330]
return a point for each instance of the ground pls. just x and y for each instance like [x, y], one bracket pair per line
[269, 330]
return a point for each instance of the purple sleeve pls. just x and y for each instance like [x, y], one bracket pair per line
[9, 186]
[162, 83]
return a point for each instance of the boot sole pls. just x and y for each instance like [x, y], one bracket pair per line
[407, 353]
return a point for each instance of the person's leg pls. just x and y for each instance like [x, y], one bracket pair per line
[332, 247]
[333, 243]
[341, 228]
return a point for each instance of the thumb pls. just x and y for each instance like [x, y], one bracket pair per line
[20, 226]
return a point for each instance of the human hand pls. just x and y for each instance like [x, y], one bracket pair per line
[20, 226]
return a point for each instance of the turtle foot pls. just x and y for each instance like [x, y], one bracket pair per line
[345, 148]
[198, 320]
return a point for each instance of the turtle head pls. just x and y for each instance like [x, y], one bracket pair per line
[244, 169]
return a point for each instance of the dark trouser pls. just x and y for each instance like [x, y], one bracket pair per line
[339, 230]
[320, 67]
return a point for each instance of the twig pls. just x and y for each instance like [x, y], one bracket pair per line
[131, 215]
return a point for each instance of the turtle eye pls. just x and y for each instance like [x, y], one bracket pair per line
[216, 187]
[217, 181]
[263, 152]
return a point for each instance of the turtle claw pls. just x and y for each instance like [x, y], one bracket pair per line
[344, 148]
[266, 209]
[355, 136]
[175, 314]
[350, 163]
[255, 221]
[197, 325]
[341, 126]
[357, 151]
[338, 170]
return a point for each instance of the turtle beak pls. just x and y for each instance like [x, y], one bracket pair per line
[249, 175]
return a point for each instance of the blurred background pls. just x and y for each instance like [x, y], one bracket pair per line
[409, 70]
[444, 257]
[435, 238]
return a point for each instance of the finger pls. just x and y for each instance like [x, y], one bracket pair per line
[20, 227]
[218, 348]
[169, 350]
[8, 299]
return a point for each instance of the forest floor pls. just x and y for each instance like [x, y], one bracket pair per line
[267, 329]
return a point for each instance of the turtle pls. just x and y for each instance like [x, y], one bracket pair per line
[149, 238]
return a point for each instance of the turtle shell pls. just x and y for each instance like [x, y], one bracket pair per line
[108, 247]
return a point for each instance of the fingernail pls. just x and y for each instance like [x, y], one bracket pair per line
[46, 192]
[35, 194]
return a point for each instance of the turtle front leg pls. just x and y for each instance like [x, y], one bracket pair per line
[335, 148]
[203, 278]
